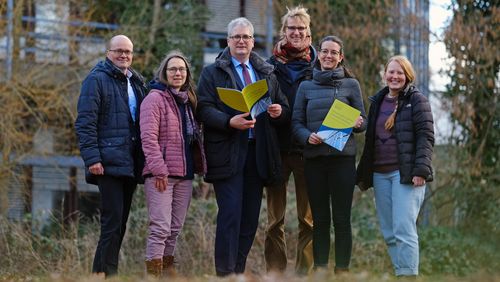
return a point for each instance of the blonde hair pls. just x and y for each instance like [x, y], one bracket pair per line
[296, 12]
[410, 78]
[161, 75]
[405, 65]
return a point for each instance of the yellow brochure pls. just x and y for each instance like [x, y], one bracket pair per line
[337, 126]
[243, 100]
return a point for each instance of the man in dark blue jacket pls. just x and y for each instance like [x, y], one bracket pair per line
[107, 126]
[242, 152]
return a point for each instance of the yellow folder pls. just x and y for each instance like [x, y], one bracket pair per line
[243, 100]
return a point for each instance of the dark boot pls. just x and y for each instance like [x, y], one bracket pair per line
[154, 267]
[169, 267]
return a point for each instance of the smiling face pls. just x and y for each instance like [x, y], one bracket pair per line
[120, 52]
[395, 77]
[330, 55]
[176, 73]
[296, 33]
[239, 47]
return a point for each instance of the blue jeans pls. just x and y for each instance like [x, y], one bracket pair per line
[398, 206]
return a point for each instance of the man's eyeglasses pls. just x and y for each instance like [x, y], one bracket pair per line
[325, 52]
[297, 28]
[238, 37]
[120, 51]
[174, 70]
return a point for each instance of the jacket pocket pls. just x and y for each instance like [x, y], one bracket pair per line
[111, 142]
[115, 151]
[218, 153]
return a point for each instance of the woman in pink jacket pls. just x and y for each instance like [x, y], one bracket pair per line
[172, 144]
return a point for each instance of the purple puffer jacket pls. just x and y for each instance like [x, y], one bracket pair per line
[162, 138]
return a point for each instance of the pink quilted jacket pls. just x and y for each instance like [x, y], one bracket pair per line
[162, 138]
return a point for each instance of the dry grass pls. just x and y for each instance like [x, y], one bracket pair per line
[65, 252]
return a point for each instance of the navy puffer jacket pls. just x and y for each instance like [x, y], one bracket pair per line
[414, 131]
[104, 125]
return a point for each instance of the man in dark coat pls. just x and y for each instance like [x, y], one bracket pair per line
[242, 152]
[293, 58]
[107, 126]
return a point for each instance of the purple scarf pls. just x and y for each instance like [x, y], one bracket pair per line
[182, 98]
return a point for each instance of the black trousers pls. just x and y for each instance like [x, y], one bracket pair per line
[330, 186]
[116, 199]
[239, 199]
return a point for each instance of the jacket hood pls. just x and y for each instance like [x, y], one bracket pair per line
[155, 84]
[314, 55]
[328, 77]
[223, 61]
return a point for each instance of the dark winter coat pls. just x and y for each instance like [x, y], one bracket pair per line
[314, 100]
[224, 145]
[289, 87]
[414, 132]
[104, 125]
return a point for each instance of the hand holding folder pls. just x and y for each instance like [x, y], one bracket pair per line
[337, 126]
[251, 99]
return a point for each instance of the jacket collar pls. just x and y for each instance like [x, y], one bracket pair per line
[110, 69]
[308, 67]
[328, 77]
[406, 92]
[223, 61]
[314, 57]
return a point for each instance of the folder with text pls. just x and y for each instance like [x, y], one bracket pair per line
[337, 126]
[251, 99]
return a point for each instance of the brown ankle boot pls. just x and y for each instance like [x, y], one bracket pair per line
[341, 271]
[168, 266]
[154, 267]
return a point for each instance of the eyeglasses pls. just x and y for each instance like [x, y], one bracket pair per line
[325, 52]
[120, 51]
[174, 70]
[297, 28]
[238, 37]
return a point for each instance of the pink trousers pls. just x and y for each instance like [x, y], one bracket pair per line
[167, 212]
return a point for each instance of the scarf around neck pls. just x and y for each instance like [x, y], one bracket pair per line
[182, 99]
[285, 52]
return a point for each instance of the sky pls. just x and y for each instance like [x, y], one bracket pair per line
[439, 17]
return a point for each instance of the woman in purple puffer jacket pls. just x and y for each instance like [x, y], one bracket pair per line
[172, 144]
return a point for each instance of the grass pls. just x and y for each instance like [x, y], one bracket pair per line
[65, 252]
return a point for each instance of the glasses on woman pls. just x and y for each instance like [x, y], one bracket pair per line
[325, 52]
[297, 28]
[174, 70]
